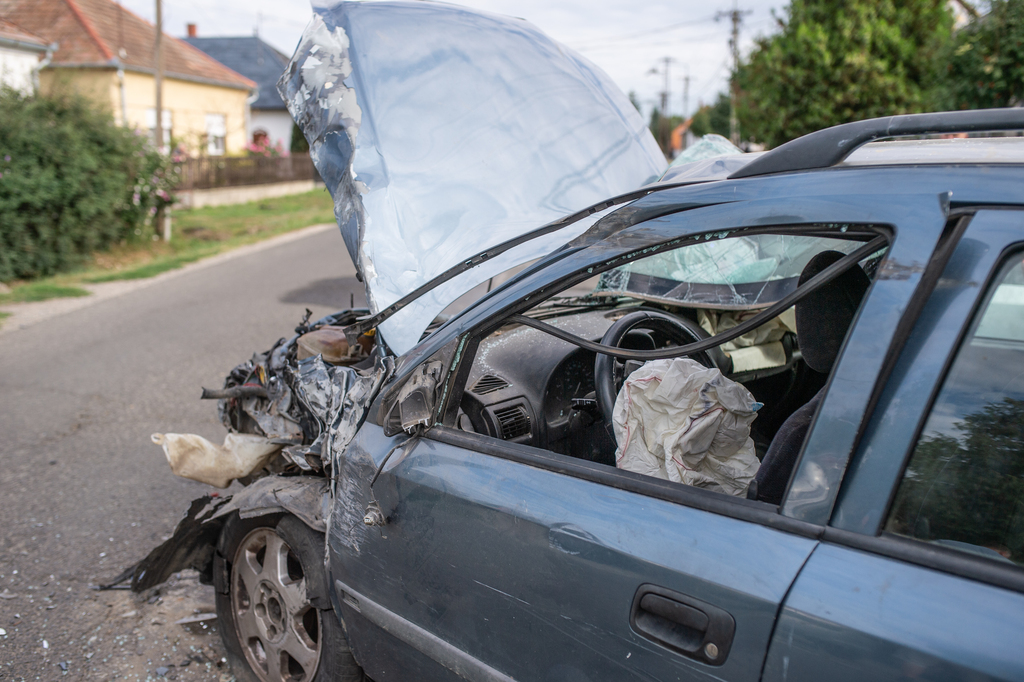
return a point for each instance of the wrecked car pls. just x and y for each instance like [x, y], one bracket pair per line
[755, 416]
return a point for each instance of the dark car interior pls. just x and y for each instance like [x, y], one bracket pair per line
[528, 387]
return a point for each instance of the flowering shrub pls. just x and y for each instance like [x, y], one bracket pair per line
[264, 148]
[71, 182]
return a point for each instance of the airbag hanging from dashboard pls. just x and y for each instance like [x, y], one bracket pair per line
[680, 421]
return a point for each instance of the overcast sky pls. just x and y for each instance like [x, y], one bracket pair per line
[625, 41]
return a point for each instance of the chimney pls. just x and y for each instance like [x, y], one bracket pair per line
[192, 31]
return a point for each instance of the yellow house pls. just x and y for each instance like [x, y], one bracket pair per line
[107, 53]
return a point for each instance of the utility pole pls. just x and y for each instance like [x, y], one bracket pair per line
[736, 16]
[158, 65]
[163, 217]
[667, 61]
[664, 122]
[686, 94]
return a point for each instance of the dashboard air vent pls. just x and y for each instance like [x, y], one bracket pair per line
[513, 421]
[489, 383]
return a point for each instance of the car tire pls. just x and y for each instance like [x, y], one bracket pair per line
[268, 614]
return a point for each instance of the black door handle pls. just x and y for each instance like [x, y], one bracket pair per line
[683, 624]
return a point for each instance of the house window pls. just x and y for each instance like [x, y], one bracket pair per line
[216, 130]
[165, 122]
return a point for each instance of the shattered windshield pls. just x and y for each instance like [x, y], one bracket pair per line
[726, 274]
[443, 131]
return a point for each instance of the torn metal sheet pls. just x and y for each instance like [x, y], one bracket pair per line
[442, 131]
[194, 540]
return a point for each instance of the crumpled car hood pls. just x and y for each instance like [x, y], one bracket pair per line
[442, 131]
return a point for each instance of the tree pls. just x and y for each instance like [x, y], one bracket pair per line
[986, 59]
[634, 100]
[71, 182]
[837, 62]
[299, 144]
[661, 127]
[969, 489]
[713, 118]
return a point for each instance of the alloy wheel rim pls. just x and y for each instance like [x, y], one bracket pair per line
[277, 627]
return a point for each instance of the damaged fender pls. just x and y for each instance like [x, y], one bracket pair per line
[194, 541]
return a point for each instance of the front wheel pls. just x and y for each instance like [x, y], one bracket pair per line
[271, 629]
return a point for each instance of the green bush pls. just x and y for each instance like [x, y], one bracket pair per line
[986, 60]
[71, 182]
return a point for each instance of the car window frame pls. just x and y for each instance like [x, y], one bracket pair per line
[914, 209]
[736, 507]
[867, 484]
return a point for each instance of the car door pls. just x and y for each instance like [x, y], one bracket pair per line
[503, 561]
[920, 571]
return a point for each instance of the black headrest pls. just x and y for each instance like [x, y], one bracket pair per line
[823, 317]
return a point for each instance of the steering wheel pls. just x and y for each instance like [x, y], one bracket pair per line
[609, 372]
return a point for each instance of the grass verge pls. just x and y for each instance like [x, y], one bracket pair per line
[40, 291]
[195, 234]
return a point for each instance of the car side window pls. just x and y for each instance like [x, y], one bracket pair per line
[964, 485]
[706, 421]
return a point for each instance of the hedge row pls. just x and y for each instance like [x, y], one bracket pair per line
[71, 182]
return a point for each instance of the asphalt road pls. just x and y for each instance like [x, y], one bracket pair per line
[83, 491]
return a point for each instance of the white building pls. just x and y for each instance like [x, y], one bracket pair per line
[269, 121]
[20, 56]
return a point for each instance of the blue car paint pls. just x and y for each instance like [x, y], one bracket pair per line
[439, 551]
[493, 556]
[893, 430]
[856, 616]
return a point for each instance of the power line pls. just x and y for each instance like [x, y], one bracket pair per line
[710, 82]
[641, 34]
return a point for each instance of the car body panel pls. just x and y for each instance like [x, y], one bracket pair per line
[857, 616]
[890, 435]
[442, 131]
[854, 615]
[433, 563]
[491, 555]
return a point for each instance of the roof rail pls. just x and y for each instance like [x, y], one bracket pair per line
[826, 148]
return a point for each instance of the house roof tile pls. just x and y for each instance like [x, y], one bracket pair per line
[93, 32]
[9, 31]
[251, 57]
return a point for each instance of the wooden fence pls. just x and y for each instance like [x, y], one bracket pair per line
[209, 172]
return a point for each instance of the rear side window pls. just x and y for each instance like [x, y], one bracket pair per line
[964, 485]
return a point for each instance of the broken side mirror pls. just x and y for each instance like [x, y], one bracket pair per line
[413, 404]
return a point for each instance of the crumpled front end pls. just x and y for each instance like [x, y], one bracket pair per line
[290, 416]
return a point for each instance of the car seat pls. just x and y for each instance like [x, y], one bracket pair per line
[822, 320]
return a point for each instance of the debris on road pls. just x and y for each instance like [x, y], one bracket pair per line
[132, 635]
[196, 458]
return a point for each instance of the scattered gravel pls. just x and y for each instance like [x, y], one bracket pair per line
[114, 634]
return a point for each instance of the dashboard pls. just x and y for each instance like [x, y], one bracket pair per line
[528, 387]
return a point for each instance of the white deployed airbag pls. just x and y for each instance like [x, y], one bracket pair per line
[680, 421]
[194, 457]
